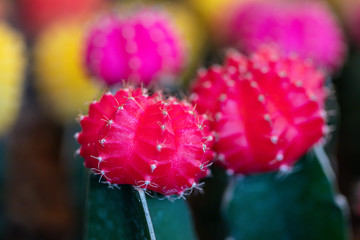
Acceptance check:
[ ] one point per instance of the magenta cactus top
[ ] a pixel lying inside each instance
(307, 28)
(140, 47)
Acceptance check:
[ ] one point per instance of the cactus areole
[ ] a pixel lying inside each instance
(154, 143)
(266, 110)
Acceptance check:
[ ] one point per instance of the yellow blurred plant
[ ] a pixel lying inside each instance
(12, 66)
(63, 84)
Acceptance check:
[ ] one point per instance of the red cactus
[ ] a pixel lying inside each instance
(132, 138)
(268, 109)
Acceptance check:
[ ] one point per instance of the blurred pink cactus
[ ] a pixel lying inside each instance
(141, 48)
(307, 28)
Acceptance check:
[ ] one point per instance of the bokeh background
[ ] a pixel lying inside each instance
(44, 85)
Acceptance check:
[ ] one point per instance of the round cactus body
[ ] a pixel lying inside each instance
(154, 143)
(307, 28)
(12, 69)
(267, 111)
(61, 78)
(140, 47)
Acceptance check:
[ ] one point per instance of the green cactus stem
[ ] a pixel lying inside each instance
(127, 213)
(208, 219)
(300, 205)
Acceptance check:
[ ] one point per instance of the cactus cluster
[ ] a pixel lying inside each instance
(242, 123)
(265, 110)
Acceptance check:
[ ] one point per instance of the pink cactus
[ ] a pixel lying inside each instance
(141, 47)
(307, 28)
